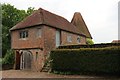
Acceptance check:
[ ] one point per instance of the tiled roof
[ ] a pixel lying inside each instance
(42, 16)
(115, 41)
(80, 24)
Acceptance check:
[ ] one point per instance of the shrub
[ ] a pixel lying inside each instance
(9, 57)
(89, 41)
(96, 60)
(102, 45)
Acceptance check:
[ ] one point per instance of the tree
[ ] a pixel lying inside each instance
(10, 17)
(89, 41)
(30, 10)
(0, 31)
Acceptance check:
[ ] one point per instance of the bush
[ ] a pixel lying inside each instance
(89, 41)
(9, 57)
(102, 45)
(96, 60)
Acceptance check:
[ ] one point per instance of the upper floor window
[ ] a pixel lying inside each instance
(23, 34)
(69, 38)
(78, 39)
(39, 32)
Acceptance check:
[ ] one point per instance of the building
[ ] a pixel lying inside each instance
(33, 38)
(115, 41)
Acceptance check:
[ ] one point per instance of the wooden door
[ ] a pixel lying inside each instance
(26, 60)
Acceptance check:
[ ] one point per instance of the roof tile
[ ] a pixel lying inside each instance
(42, 16)
(80, 24)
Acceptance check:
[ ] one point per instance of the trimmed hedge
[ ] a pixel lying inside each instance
(96, 60)
(102, 45)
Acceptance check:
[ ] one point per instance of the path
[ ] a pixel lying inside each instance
(31, 74)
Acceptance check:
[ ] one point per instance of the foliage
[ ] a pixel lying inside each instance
(9, 57)
(102, 45)
(96, 60)
(10, 17)
(29, 11)
(0, 60)
(89, 41)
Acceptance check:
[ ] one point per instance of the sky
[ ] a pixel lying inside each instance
(100, 16)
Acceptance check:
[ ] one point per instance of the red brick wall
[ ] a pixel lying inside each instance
(31, 42)
(37, 64)
(74, 38)
(49, 39)
(47, 42)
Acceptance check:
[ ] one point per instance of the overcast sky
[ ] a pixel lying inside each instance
(101, 16)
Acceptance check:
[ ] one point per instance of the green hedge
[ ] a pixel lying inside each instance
(98, 60)
(102, 45)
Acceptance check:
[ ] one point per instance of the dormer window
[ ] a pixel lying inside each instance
(23, 34)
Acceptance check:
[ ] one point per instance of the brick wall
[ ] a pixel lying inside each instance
(37, 62)
(31, 42)
(74, 38)
(27, 44)
(47, 41)
(50, 38)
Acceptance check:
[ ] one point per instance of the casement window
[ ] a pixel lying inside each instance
(69, 38)
(39, 32)
(78, 39)
(23, 34)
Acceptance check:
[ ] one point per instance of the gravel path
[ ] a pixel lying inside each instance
(31, 74)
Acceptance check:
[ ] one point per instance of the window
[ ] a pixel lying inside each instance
(69, 38)
(39, 32)
(23, 34)
(78, 39)
(36, 55)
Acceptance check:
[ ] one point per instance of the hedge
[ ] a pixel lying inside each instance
(102, 45)
(96, 60)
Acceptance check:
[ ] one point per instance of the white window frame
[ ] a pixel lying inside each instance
(69, 38)
(23, 34)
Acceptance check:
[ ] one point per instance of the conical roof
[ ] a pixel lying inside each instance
(45, 17)
(78, 21)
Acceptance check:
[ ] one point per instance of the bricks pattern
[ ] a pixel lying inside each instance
(43, 45)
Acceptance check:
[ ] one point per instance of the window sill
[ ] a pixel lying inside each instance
(23, 39)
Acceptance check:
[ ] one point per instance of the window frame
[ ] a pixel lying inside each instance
(69, 38)
(39, 32)
(23, 34)
(79, 39)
